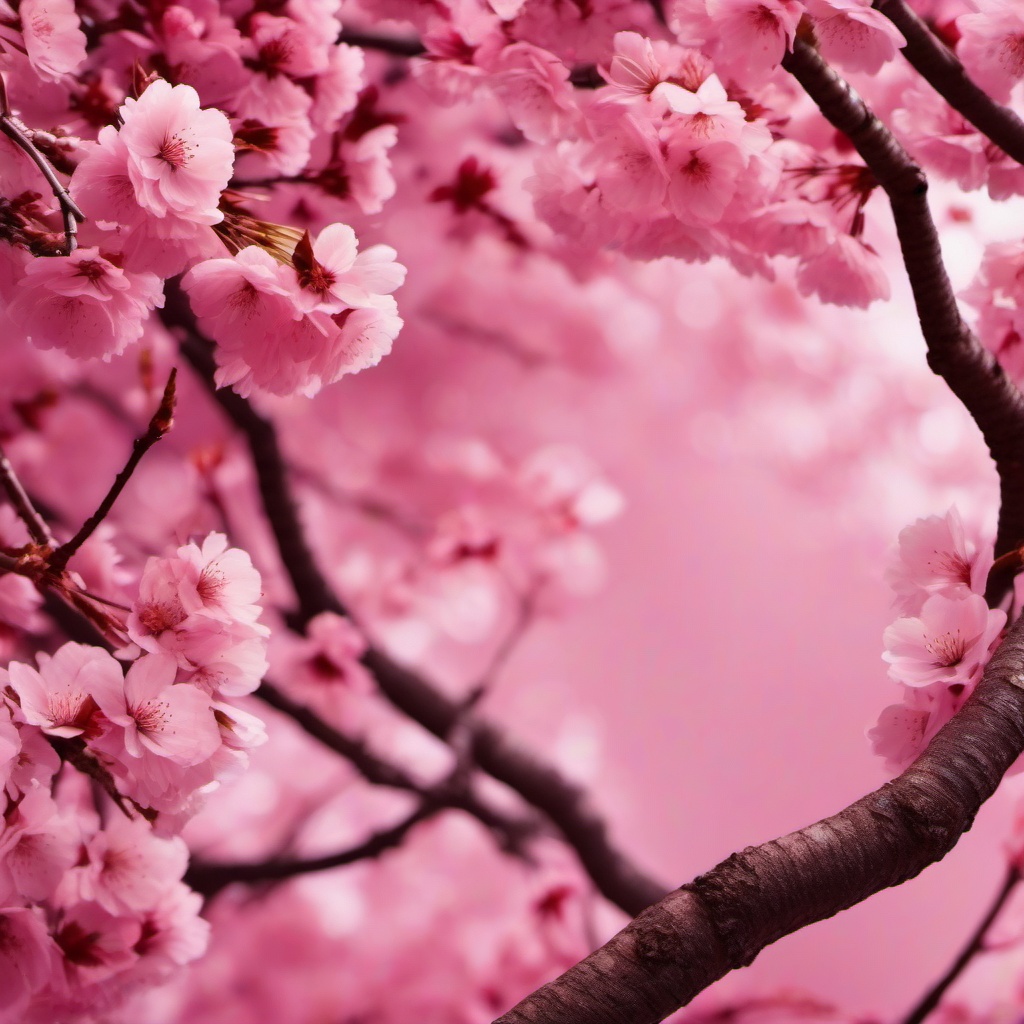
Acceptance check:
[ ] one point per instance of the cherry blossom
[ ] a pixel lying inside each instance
(59, 697)
(158, 717)
(84, 304)
(948, 642)
(936, 557)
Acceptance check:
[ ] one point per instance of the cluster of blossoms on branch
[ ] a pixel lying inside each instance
(944, 636)
(221, 181)
(94, 906)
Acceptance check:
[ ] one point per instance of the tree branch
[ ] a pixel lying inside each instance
(208, 877)
(975, 944)
(27, 512)
(71, 215)
(512, 831)
(399, 46)
(939, 67)
(724, 918)
(954, 353)
(158, 426)
(543, 786)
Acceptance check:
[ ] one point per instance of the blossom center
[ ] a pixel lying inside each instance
(175, 151)
(1011, 55)
(947, 648)
(150, 716)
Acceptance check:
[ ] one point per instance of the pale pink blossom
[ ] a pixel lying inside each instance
(250, 306)
(534, 85)
(218, 581)
(148, 241)
(756, 33)
(28, 958)
(173, 933)
(128, 869)
(283, 46)
(158, 717)
(334, 276)
(248, 295)
(948, 642)
(941, 138)
(853, 35)
(226, 658)
(54, 40)
(95, 944)
(629, 165)
(904, 730)
(992, 45)
(845, 273)
(366, 165)
(937, 557)
(708, 115)
(180, 156)
(635, 67)
(702, 179)
(331, 652)
(272, 128)
(337, 88)
(158, 609)
(37, 846)
(84, 304)
(58, 698)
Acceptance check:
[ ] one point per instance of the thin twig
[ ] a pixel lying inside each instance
(939, 67)
(27, 512)
(974, 945)
(454, 793)
(159, 425)
(71, 215)
(209, 877)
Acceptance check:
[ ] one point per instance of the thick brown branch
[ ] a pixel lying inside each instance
(954, 353)
(399, 46)
(938, 66)
(724, 918)
(208, 877)
(541, 785)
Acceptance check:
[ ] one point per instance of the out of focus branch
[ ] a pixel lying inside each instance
(457, 795)
(974, 945)
(399, 46)
(954, 352)
(37, 527)
(939, 67)
(564, 802)
(723, 919)
(208, 877)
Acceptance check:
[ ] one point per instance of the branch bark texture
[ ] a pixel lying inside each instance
(954, 352)
(723, 919)
(939, 67)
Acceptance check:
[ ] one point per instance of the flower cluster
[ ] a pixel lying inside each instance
(93, 903)
(296, 328)
(944, 636)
